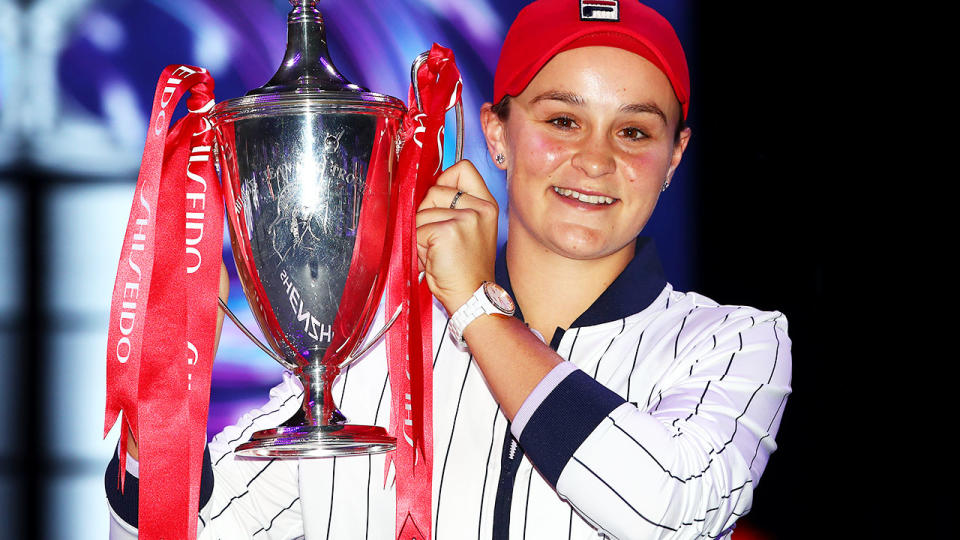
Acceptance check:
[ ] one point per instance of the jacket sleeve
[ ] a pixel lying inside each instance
(686, 464)
(124, 505)
(256, 497)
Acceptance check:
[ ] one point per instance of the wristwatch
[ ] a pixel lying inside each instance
(489, 299)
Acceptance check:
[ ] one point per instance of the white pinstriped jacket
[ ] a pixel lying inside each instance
(659, 425)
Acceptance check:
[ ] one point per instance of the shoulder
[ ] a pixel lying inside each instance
(709, 336)
(696, 314)
(684, 332)
(689, 319)
(700, 316)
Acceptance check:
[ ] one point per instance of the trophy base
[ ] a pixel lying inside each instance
(317, 442)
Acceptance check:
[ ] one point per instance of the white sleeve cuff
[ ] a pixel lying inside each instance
(542, 390)
(133, 466)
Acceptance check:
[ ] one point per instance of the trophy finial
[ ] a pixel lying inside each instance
(304, 6)
(306, 65)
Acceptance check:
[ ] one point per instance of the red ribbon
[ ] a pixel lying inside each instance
(163, 314)
(409, 347)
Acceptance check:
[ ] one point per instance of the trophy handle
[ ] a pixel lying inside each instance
(357, 355)
(281, 360)
(419, 61)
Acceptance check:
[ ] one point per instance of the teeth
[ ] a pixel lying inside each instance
(592, 199)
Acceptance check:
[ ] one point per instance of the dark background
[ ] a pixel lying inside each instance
(770, 162)
(761, 240)
(790, 169)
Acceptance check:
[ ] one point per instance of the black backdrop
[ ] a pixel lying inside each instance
(777, 118)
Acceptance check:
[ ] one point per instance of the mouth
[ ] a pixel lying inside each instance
(598, 200)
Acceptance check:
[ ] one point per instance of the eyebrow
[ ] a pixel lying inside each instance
(558, 95)
(577, 100)
(648, 108)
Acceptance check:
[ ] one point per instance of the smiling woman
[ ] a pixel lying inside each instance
(591, 127)
(613, 413)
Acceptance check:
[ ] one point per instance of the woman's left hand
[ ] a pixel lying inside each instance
(456, 247)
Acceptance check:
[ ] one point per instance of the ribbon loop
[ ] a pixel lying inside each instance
(409, 346)
(164, 307)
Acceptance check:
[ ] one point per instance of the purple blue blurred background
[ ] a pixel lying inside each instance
(76, 82)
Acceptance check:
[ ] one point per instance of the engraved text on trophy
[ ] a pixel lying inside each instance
(301, 196)
(311, 325)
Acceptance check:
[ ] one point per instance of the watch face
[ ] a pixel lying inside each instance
(499, 297)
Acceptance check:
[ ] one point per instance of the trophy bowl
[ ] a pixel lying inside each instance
(307, 164)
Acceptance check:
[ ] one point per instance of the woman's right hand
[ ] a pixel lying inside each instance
(457, 235)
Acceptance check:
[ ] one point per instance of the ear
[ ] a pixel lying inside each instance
(679, 147)
(494, 131)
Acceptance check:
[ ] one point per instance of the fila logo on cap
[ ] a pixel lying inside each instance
(600, 10)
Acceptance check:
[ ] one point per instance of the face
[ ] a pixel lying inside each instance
(588, 145)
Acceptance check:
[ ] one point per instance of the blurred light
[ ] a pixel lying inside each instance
(126, 122)
(83, 145)
(9, 69)
(212, 48)
(76, 507)
(77, 389)
(480, 18)
(86, 225)
(11, 249)
(104, 31)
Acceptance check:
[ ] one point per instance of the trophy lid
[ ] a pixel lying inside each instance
(307, 78)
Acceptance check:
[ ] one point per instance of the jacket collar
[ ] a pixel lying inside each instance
(640, 283)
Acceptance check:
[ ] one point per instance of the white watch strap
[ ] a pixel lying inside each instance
(477, 305)
(467, 313)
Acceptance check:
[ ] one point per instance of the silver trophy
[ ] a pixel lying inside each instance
(308, 165)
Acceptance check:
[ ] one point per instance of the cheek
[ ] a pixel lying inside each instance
(544, 150)
(646, 168)
(540, 153)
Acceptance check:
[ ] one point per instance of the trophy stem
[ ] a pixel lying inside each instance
(319, 429)
(318, 406)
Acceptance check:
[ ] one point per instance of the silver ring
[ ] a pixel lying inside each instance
(453, 204)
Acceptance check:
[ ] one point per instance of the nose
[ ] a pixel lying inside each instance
(595, 159)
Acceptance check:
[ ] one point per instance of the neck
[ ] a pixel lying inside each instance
(552, 290)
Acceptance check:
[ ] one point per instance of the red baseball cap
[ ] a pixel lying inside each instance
(546, 28)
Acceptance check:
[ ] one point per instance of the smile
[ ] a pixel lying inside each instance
(590, 199)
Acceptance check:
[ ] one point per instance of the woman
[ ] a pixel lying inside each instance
(608, 402)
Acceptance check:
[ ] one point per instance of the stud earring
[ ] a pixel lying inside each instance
(500, 159)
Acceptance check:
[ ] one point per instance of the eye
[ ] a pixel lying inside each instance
(633, 133)
(563, 122)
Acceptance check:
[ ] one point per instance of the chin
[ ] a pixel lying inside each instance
(584, 244)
